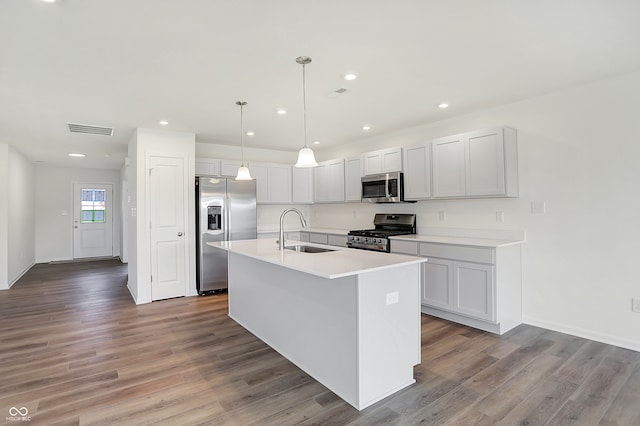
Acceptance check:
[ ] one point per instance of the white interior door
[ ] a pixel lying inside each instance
(92, 220)
(167, 205)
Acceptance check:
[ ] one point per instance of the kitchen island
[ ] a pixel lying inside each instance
(349, 318)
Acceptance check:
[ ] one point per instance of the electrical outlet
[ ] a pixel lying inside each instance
(635, 305)
(500, 217)
(442, 215)
(392, 298)
(538, 207)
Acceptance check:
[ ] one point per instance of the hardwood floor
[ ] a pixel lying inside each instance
(75, 349)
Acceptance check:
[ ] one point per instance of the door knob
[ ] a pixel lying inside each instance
(179, 234)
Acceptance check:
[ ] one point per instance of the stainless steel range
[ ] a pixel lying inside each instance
(386, 225)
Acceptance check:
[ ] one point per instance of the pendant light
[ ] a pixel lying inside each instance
(305, 155)
(243, 171)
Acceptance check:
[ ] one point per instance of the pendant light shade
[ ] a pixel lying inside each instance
(305, 155)
(306, 158)
(243, 171)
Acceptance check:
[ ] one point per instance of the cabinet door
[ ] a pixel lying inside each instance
(229, 168)
(417, 172)
(484, 151)
(302, 185)
(329, 181)
(260, 172)
(207, 167)
(437, 283)
(372, 163)
(280, 183)
(352, 179)
(391, 160)
(449, 177)
(474, 290)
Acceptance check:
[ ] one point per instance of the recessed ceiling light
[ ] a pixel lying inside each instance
(443, 105)
(350, 76)
(49, 1)
(316, 142)
(250, 133)
(366, 127)
(281, 111)
(75, 154)
(163, 122)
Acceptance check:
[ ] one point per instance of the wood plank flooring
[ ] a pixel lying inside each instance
(75, 349)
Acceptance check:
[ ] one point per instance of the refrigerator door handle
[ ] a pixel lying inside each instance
(227, 215)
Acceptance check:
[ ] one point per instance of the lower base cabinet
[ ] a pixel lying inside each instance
(476, 286)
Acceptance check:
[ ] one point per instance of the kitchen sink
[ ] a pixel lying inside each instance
(307, 249)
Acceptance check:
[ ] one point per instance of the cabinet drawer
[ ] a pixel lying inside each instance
(318, 238)
(462, 253)
(405, 247)
(337, 240)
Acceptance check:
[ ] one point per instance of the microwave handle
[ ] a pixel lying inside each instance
(386, 188)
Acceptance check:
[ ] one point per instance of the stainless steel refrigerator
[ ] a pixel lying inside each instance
(225, 211)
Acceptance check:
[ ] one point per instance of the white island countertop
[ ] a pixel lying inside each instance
(341, 262)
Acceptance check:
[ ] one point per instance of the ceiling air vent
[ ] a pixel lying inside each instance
(337, 92)
(92, 130)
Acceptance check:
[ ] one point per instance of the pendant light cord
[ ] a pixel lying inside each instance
(304, 104)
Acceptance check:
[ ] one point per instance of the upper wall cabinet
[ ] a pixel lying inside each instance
(482, 163)
(382, 161)
(302, 185)
(229, 168)
(449, 176)
(352, 179)
(207, 167)
(329, 181)
(417, 172)
(273, 183)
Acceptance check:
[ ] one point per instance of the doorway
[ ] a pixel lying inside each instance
(92, 220)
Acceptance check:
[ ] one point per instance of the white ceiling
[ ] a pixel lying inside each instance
(129, 64)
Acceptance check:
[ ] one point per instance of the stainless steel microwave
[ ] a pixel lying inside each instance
(383, 188)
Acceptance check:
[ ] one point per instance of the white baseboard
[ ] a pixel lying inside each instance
(622, 342)
(21, 274)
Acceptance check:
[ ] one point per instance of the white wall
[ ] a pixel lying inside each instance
(21, 216)
(17, 252)
(4, 216)
(578, 152)
(146, 142)
(54, 196)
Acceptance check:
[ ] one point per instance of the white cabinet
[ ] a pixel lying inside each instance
(229, 168)
(328, 181)
(273, 183)
(352, 179)
(417, 172)
(207, 167)
(449, 178)
(477, 286)
(302, 185)
(323, 238)
(382, 161)
(437, 283)
(482, 163)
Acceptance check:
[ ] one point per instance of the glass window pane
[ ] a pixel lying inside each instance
(93, 205)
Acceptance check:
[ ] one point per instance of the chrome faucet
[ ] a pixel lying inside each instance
(284, 213)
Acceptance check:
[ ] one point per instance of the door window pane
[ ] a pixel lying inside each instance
(93, 205)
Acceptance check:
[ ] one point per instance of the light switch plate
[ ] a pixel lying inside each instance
(538, 207)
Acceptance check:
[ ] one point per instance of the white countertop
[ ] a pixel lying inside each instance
(341, 262)
(461, 241)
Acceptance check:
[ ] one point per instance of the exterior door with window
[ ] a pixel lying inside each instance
(92, 220)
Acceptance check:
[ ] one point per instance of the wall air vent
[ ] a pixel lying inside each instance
(92, 130)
